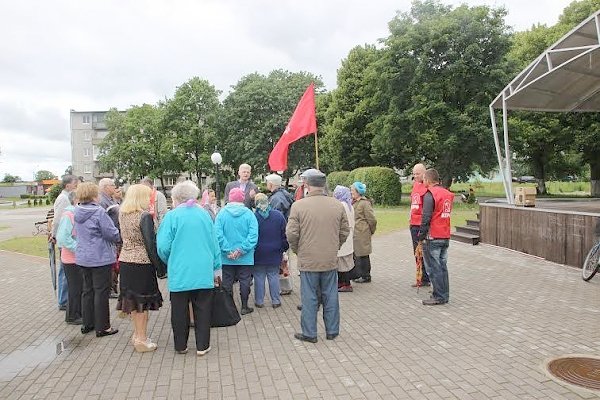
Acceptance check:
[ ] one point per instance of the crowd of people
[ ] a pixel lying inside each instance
(117, 245)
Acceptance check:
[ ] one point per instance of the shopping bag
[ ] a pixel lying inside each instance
(224, 311)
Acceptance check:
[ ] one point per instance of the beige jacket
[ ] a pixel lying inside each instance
(364, 228)
(316, 229)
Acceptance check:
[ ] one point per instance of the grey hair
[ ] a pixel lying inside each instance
(104, 182)
(66, 179)
(148, 182)
(184, 191)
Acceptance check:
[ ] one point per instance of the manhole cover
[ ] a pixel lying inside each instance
(580, 371)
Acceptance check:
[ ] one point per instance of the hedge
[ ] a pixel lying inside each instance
(383, 184)
(338, 178)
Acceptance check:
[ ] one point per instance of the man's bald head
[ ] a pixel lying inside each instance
(418, 171)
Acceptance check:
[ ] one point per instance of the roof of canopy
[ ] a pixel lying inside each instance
(566, 77)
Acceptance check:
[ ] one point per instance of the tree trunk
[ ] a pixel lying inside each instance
(162, 185)
(595, 178)
(541, 186)
(540, 177)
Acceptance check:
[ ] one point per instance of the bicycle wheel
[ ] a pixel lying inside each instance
(590, 265)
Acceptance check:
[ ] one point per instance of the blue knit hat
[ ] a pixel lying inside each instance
(360, 187)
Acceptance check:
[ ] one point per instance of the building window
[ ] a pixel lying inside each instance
(96, 153)
(86, 119)
(86, 152)
(87, 136)
(87, 168)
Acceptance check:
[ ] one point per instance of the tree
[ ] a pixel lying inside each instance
(43, 175)
(191, 122)
(255, 115)
(351, 109)
(8, 178)
(440, 70)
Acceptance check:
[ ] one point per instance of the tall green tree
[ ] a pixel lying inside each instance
(8, 178)
(191, 121)
(255, 115)
(442, 68)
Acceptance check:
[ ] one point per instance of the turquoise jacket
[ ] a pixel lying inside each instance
(64, 237)
(237, 229)
(187, 243)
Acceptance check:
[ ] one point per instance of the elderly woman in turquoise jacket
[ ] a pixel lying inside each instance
(187, 243)
(237, 232)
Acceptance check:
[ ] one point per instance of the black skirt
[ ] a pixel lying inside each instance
(138, 288)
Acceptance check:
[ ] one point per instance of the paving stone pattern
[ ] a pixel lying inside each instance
(508, 314)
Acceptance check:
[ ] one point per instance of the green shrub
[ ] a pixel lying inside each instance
(29, 203)
(338, 178)
(25, 196)
(54, 192)
(47, 201)
(383, 184)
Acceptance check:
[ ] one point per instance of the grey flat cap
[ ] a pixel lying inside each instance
(314, 177)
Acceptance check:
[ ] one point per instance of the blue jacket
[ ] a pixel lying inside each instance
(272, 241)
(96, 236)
(237, 229)
(187, 243)
(281, 200)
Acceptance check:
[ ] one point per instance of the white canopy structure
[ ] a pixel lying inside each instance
(564, 78)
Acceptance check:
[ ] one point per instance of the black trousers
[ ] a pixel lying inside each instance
(94, 300)
(363, 266)
(343, 278)
(75, 288)
(241, 272)
(414, 232)
(201, 300)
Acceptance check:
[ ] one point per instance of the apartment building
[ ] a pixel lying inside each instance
(88, 128)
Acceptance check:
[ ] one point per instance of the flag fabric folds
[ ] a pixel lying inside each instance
(302, 123)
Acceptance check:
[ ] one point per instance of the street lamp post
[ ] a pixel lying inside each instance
(217, 160)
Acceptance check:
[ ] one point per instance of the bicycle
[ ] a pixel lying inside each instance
(591, 264)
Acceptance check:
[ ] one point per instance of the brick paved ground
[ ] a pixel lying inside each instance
(509, 313)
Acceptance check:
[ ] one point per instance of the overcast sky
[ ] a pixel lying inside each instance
(92, 55)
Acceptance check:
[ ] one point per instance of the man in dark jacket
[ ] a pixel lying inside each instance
(280, 199)
(244, 183)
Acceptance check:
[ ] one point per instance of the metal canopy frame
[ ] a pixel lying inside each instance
(564, 78)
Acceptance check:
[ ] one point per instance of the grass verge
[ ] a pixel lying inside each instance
(31, 245)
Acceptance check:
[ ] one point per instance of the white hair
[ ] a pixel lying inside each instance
(104, 182)
(184, 191)
(274, 179)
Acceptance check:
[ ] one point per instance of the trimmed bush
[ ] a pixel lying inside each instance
(383, 184)
(25, 196)
(338, 178)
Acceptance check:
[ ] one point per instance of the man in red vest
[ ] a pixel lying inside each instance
(435, 234)
(416, 212)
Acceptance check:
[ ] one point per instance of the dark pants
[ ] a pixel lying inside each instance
(343, 278)
(75, 288)
(94, 300)
(414, 232)
(363, 266)
(243, 273)
(201, 300)
(114, 278)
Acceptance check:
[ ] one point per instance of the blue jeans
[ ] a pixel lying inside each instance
(414, 233)
(271, 273)
(435, 255)
(311, 283)
(61, 287)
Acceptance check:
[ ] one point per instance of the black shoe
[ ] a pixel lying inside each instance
(109, 332)
(77, 321)
(433, 302)
(285, 293)
(86, 329)
(363, 280)
(300, 336)
(246, 310)
(276, 305)
(259, 305)
(62, 308)
(331, 336)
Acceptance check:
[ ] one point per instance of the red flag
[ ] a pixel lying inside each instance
(302, 123)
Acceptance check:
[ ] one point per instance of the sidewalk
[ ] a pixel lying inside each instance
(508, 314)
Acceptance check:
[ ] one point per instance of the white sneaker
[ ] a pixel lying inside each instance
(203, 352)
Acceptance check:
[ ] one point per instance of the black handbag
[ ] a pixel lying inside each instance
(224, 311)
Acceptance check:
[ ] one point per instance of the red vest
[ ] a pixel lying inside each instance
(416, 202)
(152, 205)
(440, 220)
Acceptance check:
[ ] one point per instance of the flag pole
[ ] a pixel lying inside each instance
(316, 151)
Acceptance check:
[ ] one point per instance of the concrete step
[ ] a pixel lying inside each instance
(473, 222)
(465, 238)
(473, 230)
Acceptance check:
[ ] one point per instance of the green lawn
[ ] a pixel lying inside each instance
(32, 245)
(391, 219)
(2, 227)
